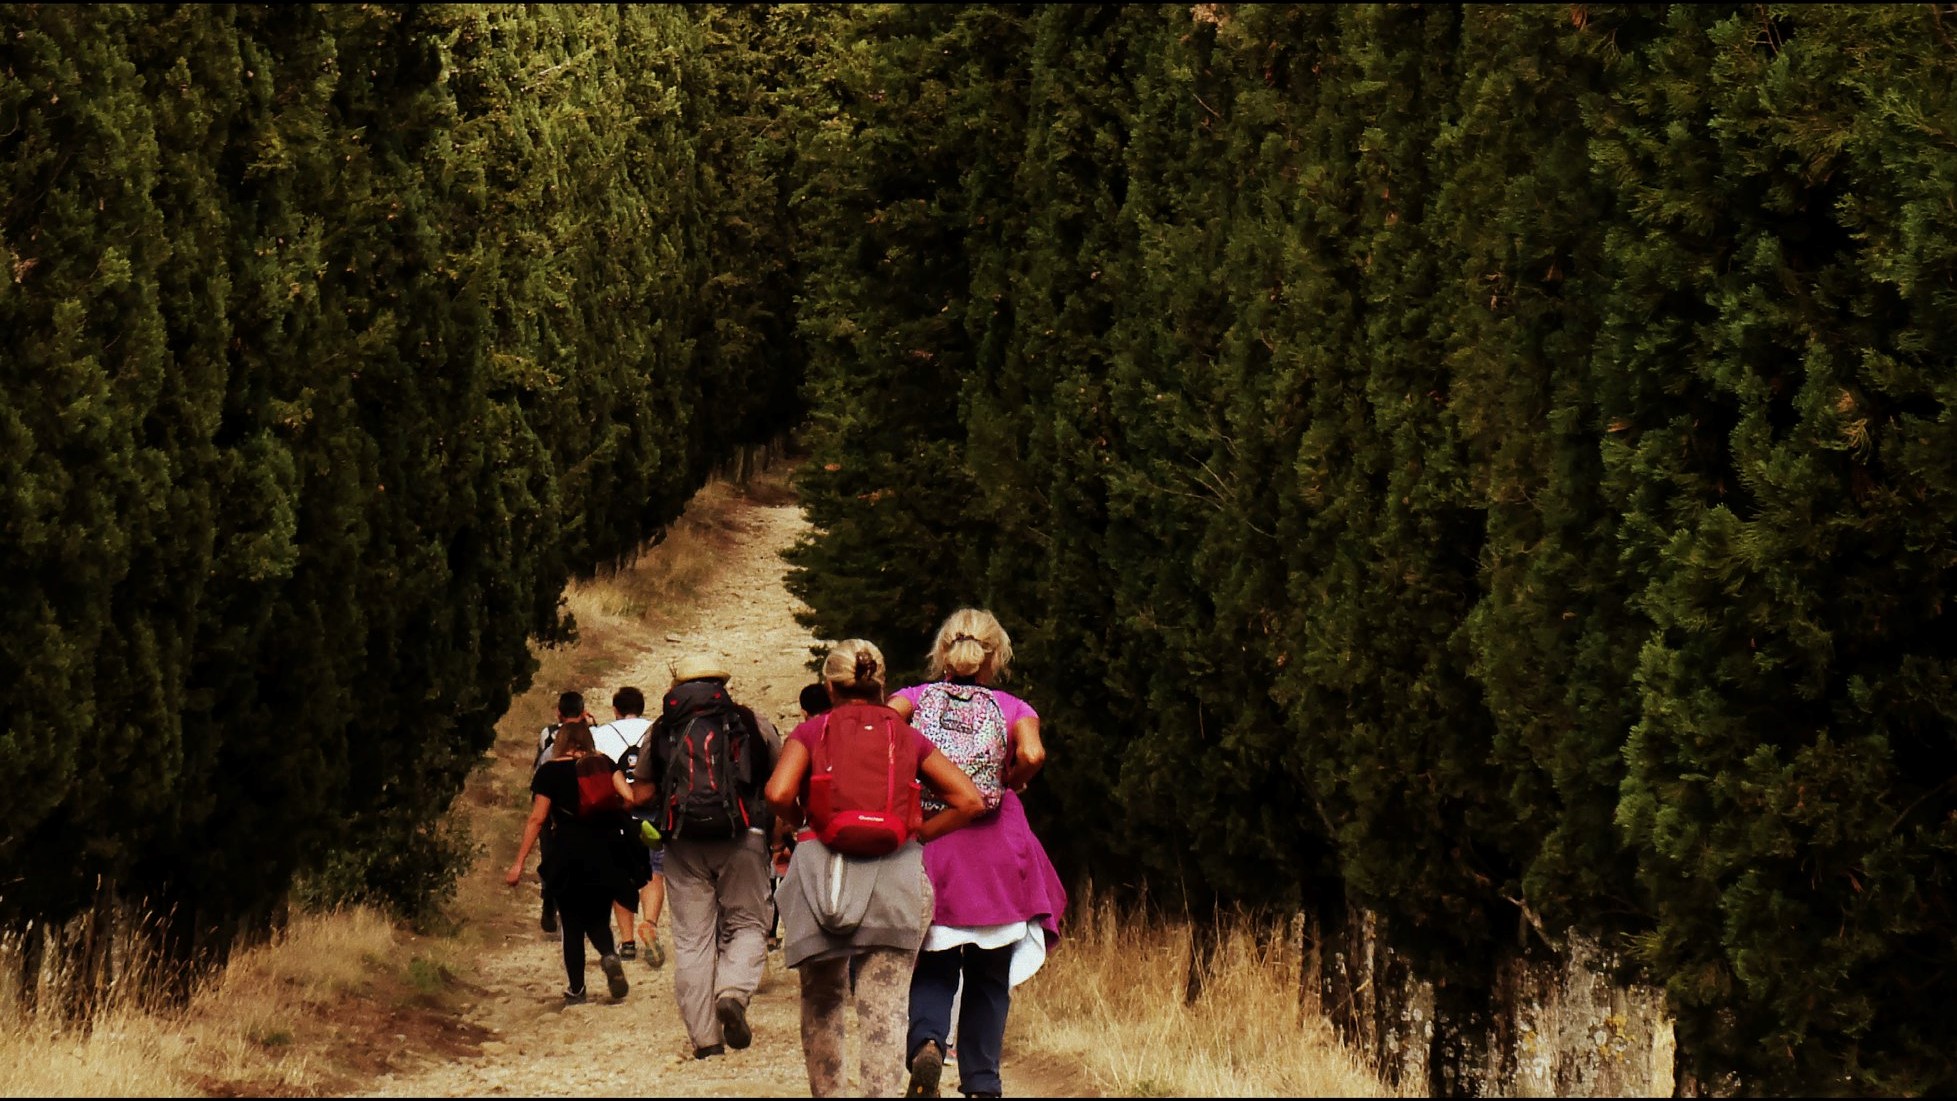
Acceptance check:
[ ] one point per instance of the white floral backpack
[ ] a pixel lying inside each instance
(967, 724)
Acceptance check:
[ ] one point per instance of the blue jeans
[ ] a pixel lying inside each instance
(981, 1016)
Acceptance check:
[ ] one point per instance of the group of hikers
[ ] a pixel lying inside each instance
(907, 876)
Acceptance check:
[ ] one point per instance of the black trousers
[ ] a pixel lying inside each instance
(981, 1016)
(583, 914)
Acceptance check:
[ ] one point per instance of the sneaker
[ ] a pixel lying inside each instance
(628, 951)
(655, 953)
(733, 1023)
(574, 997)
(708, 1051)
(614, 976)
(927, 1066)
(549, 917)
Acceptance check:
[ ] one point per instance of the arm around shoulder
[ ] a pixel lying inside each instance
(962, 800)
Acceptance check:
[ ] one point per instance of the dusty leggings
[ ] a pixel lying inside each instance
(883, 995)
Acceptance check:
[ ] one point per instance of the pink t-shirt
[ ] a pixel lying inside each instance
(811, 729)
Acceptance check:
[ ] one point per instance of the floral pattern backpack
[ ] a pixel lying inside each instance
(968, 726)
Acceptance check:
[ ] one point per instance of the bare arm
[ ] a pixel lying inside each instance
(633, 794)
(1029, 753)
(902, 706)
(532, 827)
(785, 783)
(961, 796)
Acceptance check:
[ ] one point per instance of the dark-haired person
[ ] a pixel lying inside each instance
(836, 907)
(815, 700)
(570, 708)
(619, 740)
(581, 870)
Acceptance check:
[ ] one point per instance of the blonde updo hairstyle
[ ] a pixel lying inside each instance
(971, 644)
(854, 670)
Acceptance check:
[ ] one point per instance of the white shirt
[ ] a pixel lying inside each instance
(1027, 939)
(614, 738)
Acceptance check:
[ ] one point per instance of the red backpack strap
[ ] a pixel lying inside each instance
(891, 779)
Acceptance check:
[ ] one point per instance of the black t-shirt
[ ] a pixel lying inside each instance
(597, 854)
(557, 781)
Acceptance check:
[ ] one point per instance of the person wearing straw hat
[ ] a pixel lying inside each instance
(700, 771)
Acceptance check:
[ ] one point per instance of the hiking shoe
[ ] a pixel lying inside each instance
(927, 1066)
(708, 1051)
(574, 997)
(549, 917)
(614, 976)
(628, 951)
(733, 1023)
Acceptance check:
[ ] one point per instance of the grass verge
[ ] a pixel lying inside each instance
(287, 1018)
(1109, 1001)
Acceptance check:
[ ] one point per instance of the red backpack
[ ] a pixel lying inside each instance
(597, 798)
(864, 798)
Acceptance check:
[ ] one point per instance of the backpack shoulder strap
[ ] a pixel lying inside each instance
(819, 750)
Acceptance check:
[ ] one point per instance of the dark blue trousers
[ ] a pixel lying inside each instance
(981, 1015)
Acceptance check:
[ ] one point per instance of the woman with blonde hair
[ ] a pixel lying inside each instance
(998, 899)
(856, 884)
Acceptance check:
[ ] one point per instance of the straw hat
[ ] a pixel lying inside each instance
(699, 667)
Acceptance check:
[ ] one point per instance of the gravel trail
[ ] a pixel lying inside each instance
(637, 1046)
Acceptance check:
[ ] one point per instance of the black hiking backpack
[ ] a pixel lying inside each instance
(707, 746)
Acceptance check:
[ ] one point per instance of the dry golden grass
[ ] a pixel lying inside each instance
(1110, 1000)
(657, 585)
(261, 1026)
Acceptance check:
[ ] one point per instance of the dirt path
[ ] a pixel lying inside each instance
(637, 1047)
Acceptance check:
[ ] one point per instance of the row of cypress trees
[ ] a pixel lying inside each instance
(1488, 465)
(336, 339)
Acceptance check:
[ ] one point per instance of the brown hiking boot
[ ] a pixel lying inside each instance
(733, 1023)
(927, 1066)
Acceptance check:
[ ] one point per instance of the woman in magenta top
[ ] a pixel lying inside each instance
(998, 899)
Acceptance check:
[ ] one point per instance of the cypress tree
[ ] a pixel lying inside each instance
(344, 336)
(882, 317)
(1521, 210)
(1784, 755)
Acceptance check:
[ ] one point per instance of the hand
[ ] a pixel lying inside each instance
(514, 876)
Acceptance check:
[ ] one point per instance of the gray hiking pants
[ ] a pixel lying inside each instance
(717, 896)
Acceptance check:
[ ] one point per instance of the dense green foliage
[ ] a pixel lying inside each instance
(1487, 465)
(336, 339)
(1499, 463)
